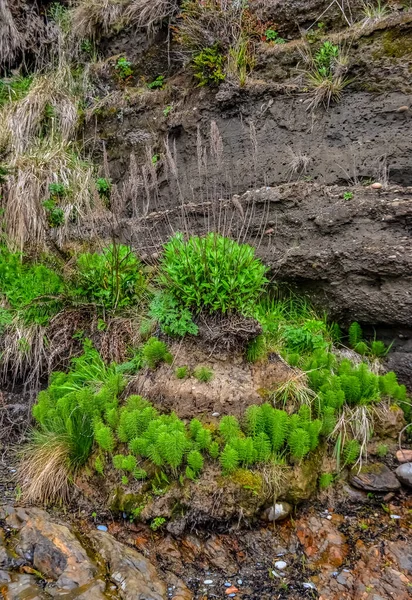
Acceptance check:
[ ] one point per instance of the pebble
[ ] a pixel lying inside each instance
(275, 574)
(227, 584)
(208, 582)
(309, 586)
(232, 595)
(216, 414)
(101, 527)
(239, 581)
(280, 564)
(395, 517)
(376, 186)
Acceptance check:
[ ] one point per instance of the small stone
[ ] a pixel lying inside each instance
(404, 474)
(402, 109)
(277, 512)
(376, 186)
(239, 581)
(231, 590)
(404, 456)
(216, 414)
(395, 517)
(101, 527)
(232, 595)
(309, 586)
(208, 582)
(275, 574)
(227, 584)
(280, 564)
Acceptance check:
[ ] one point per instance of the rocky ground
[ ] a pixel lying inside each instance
(354, 543)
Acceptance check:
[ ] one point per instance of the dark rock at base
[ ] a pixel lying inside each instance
(130, 571)
(404, 474)
(374, 478)
(401, 363)
(54, 551)
(353, 495)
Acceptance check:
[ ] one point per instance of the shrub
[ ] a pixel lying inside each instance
(212, 273)
(154, 352)
(112, 280)
(172, 318)
(123, 68)
(203, 374)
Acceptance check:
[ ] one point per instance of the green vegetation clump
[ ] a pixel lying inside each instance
(325, 480)
(14, 89)
(124, 68)
(155, 352)
(208, 66)
(172, 319)
(182, 372)
(203, 374)
(212, 273)
(112, 279)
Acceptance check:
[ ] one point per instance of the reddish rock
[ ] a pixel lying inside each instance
(404, 456)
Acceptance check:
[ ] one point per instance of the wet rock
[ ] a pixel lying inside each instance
(54, 551)
(218, 556)
(134, 575)
(401, 363)
(277, 512)
(404, 456)
(374, 478)
(392, 424)
(404, 474)
(22, 587)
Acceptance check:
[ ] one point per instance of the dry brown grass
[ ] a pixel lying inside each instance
(10, 39)
(93, 18)
(47, 161)
(23, 354)
(43, 471)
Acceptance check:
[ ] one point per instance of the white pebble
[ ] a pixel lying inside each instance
(280, 564)
(309, 586)
(208, 582)
(215, 414)
(395, 517)
(276, 575)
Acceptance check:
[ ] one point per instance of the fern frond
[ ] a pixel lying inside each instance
(229, 427)
(229, 459)
(299, 443)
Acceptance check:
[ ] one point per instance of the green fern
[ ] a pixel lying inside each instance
(229, 459)
(195, 461)
(378, 349)
(255, 421)
(182, 372)
(355, 334)
(351, 387)
(99, 465)
(351, 452)
(314, 429)
(203, 438)
(104, 437)
(214, 450)
(245, 450)
(262, 447)
(172, 446)
(203, 374)
(299, 443)
(325, 480)
(361, 348)
(154, 352)
(328, 420)
(139, 446)
(139, 474)
(229, 427)
(279, 430)
(194, 427)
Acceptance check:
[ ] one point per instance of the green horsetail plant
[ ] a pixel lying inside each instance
(229, 428)
(355, 334)
(229, 459)
(299, 443)
(154, 352)
(351, 452)
(195, 461)
(203, 374)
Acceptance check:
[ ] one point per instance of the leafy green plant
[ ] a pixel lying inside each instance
(378, 349)
(112, 279)
(306, 338)
(103, 187)
(172, 318)
(351, 452)
(157, 523)
(157, 83)
(154, 352)
(208, 66)
(182, 372)
(55, 214)
(203, 374)
(123, 68)
(212, 273)
(273, 36)
(167, 110)
(347, 195)
(256, 349)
